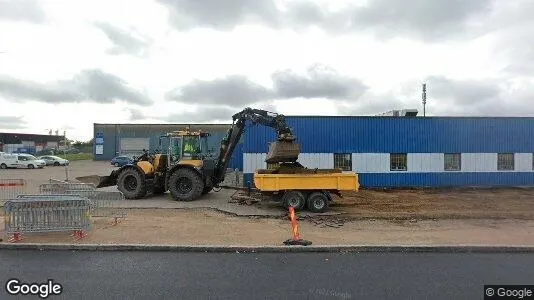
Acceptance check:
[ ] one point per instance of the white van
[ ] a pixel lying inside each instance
(20, 160)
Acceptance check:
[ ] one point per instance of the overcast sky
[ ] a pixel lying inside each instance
(68, 64)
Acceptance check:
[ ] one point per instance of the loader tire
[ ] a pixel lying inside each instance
(185, 185)
(132, 184)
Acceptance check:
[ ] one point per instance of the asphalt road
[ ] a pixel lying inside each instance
(168, 275)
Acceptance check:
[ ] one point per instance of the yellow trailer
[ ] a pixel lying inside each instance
(310, 189)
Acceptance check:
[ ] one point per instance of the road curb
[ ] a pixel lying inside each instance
(272, 249)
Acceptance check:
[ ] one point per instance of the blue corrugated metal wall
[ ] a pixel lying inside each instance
(401, 134)
(410, 135)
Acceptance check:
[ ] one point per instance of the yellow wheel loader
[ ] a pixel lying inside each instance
(188, 169)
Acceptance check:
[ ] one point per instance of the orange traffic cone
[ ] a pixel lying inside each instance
(296, 240)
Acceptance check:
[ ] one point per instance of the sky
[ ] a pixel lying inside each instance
(67, 64)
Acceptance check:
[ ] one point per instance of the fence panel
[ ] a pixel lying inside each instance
(38, 214)
(62, 188)
(10, 188)
(103, 203)
(109, 204)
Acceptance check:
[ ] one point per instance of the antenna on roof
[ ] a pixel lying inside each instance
(424, 99)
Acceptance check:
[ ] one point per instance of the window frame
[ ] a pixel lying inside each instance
(459, 162)
(499, 162)
(402, 155)
(344, 159)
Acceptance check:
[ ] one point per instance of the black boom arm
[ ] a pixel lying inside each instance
(233, 135)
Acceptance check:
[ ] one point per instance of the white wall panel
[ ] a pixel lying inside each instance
(415, 162)
(370, 162)
(317, 160)
(254, 161)
(486, 162)
(435, 162)
(425, 162)
(523, 162)
(469, 162)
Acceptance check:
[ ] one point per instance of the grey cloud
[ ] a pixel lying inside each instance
(129, 42)
(91, 85)
(462, 92)
(320, 82)
(238, 91)
(136, 114)
(203, 114)
(427, 19)
(372, 104)
(22, 10)
(447, 97)
(233, 90)
(11, 122)
(224, 15)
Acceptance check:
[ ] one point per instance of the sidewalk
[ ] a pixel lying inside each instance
(207, 227)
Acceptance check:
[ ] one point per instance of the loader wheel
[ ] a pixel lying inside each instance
(295, 199)
(132, 184)
(317, 202)
(185, 185)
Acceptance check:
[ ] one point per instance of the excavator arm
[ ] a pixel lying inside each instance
(285, 149)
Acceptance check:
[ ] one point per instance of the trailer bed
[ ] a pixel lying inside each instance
(330, 181)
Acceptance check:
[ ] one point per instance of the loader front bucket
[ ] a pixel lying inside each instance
(98, 181)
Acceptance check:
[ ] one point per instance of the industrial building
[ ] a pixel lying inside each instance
(409, 151)
(29, 143)
(130, 139)
(386, 151)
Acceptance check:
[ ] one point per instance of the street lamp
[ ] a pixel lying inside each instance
(65, 154)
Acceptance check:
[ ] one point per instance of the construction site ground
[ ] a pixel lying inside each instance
(370, 217)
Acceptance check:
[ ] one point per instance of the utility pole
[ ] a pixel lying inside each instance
(424, 99)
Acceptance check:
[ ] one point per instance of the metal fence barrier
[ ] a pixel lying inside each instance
(110, 204)
(62, 188)
(38, 214)
(10, 188)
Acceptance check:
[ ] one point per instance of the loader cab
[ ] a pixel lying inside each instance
(187, 145)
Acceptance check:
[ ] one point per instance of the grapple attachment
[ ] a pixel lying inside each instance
(283, 151)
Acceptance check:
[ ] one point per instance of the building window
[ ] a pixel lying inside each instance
(505, 161)
(453, 162)
(343, 161)
(398, 161)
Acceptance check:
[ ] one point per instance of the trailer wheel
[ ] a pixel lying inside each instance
(294, 199)
(132, 184)
(185, 185)
(317, 202)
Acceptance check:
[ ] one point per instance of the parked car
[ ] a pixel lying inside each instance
(21, 161)
(122, 160)
(52, 160)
